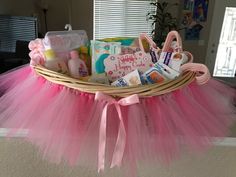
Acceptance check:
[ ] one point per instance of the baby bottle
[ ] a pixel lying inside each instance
(53, 63)
(77, 67)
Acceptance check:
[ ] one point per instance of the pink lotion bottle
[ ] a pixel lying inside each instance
(77, 67)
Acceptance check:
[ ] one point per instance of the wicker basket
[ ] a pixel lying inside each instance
(184, 79)
(143, 91)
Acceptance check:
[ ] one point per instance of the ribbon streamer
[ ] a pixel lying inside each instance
(121, 138)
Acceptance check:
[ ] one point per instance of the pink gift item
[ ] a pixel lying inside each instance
(36, 54)
(77, 67)
(202, 71)
(117, 66)
(97, 129)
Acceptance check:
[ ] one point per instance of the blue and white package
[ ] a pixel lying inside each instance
(130, 79)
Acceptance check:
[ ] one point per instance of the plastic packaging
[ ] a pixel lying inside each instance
(64, 41)
(54, 63)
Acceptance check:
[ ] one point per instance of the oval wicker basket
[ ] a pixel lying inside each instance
(143, 90)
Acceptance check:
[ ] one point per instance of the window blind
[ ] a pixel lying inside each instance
(13, 28)
(121, 18)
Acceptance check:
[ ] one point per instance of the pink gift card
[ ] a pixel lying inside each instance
(117, 66)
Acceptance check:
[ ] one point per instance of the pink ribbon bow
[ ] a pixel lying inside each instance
(121, 138)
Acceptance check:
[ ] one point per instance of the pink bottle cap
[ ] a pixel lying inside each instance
(74, 54)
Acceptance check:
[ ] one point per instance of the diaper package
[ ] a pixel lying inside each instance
(100, 51)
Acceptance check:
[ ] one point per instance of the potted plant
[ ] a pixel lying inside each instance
(163, 21)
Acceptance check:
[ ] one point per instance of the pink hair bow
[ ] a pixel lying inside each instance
(121, 138)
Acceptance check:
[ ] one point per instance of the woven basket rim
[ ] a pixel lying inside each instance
(141, 90)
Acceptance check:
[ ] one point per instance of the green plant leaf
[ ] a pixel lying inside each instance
(154, 3)
(159, 6)
(162, 21)
(164, 5)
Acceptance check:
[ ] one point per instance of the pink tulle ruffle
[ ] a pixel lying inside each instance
(65, 123)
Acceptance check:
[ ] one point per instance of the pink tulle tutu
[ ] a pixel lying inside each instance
(65, 124)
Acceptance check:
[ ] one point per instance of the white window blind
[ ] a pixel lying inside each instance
(121, 18)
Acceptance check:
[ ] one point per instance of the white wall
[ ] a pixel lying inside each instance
(57, 15)
(13, 7)
(82, 15)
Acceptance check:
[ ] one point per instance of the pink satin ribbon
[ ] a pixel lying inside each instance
(121, 138)
(203, 74)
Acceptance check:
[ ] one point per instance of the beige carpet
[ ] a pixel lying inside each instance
(20, 159)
